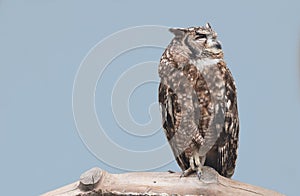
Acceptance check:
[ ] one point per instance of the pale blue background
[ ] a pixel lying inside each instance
(43, 42)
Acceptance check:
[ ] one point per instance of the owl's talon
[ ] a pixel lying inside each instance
(182, 175)
(199, 173)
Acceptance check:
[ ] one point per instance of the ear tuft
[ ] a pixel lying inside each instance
(178, 32)
(208, 25)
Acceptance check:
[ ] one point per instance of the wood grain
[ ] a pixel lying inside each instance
(99, 182)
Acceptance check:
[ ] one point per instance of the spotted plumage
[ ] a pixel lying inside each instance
(197, 95)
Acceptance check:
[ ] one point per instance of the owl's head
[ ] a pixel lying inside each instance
(200, 41)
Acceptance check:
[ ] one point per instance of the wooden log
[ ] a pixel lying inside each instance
(98, 182)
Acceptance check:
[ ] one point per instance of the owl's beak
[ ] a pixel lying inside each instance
(214, 46)
(218, 45)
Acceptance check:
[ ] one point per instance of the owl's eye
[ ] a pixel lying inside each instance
(200, 36)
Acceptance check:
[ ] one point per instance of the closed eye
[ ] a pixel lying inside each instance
(200, 36)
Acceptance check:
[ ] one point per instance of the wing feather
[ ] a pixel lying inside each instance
(227, 145)
(171, 118)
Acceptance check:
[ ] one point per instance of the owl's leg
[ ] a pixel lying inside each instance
(189, 170)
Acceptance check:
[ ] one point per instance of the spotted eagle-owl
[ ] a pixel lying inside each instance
(198, 100)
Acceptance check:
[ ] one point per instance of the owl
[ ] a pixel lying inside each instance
(198, 102)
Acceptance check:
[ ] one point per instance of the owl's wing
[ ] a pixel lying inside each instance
(227, 149)
(171, 118)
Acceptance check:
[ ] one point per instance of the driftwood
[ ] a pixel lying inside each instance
(98, 182)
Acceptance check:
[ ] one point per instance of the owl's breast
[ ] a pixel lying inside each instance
(202, 102)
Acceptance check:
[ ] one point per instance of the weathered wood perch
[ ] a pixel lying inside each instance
(98, 182)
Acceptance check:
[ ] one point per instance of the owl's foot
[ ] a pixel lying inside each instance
(196, 164)
(187, 172)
